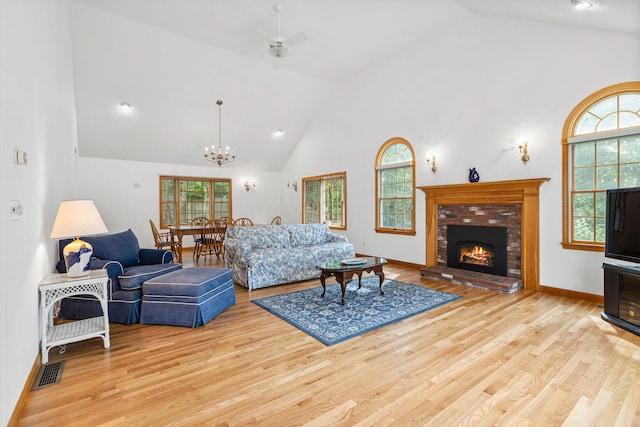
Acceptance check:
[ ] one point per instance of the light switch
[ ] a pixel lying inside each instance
(19, 157)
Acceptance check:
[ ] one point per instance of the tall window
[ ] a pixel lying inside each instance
(324, 199)
(395, 193)
(601, 150)
(182, 199)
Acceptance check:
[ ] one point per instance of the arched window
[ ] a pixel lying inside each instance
(600, 151)
(395, 190)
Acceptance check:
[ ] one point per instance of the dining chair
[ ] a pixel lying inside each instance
(243, 222)
(165, 240)
(226, 219)
(277, 220)
(197, 238)
(212, 239)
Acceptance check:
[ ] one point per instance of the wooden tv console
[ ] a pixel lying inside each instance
(622, 296)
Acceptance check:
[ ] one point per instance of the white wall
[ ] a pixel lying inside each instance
(122, 205)
(37, 115)
(467, 95)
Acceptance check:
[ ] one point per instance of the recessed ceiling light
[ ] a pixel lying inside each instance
(278, 133)
(125, 107)
(581, 4)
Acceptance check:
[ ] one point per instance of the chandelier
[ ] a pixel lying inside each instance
(219, 156)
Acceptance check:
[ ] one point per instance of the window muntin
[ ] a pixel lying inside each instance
(601, 152)
(311, 198)
(324, 200)
(616, 112)
(221, 199)
(183, 198)
(395, 189)
(333, 200)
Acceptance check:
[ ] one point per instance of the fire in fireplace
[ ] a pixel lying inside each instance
(475, 253)
(477, 248)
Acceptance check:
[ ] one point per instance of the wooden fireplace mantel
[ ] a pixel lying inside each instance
(523, 191)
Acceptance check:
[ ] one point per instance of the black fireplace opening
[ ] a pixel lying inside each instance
(477, 248)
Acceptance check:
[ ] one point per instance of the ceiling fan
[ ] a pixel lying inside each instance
(278, 45)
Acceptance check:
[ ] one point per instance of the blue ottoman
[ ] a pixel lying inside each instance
(187, 297)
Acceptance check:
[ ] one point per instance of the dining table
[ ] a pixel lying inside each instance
(181, 230)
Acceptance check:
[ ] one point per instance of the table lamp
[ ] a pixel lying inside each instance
(77, 218)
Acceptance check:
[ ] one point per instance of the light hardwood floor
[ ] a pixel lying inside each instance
(487, 359)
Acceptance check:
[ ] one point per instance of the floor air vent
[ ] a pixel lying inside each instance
(50, 373)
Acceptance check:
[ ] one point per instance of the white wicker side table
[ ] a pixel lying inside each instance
(57, 286)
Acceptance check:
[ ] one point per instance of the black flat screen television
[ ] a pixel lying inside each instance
(622, 240)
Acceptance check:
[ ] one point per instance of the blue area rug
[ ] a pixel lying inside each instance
(364, 310)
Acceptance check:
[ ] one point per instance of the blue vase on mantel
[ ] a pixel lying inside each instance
(474, 176)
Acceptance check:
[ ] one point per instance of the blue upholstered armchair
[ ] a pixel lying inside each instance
(127, 266)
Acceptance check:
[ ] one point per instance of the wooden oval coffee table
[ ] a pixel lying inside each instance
(343, 271)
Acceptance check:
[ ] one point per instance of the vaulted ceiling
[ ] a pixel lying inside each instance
(172, 59)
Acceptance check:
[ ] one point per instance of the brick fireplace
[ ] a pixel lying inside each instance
(477, 248)
(511, 204)
(507, 217)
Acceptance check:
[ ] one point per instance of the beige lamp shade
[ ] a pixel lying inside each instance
(77, 218)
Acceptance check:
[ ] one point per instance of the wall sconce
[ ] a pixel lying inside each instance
(524, 150)
(248, 187)
(432, 161)
(293, 185)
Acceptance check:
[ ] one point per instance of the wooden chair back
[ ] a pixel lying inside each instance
(243, 222)
(156, 235)
(197, 238)
(201, 220)
(226, 219)
(165, 241)
(213, 238)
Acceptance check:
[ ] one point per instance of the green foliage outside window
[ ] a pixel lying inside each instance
(599, 166)
(184, 199)
(396, 188)
(168, 203)
(603, 163)
(396, 201)
(333, 200)
(194, 200)
(312, 202)
(324, 199)
(221, 199)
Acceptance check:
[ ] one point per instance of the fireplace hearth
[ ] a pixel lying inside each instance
(477, 248)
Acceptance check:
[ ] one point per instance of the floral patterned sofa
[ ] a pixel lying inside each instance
(275, 254)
